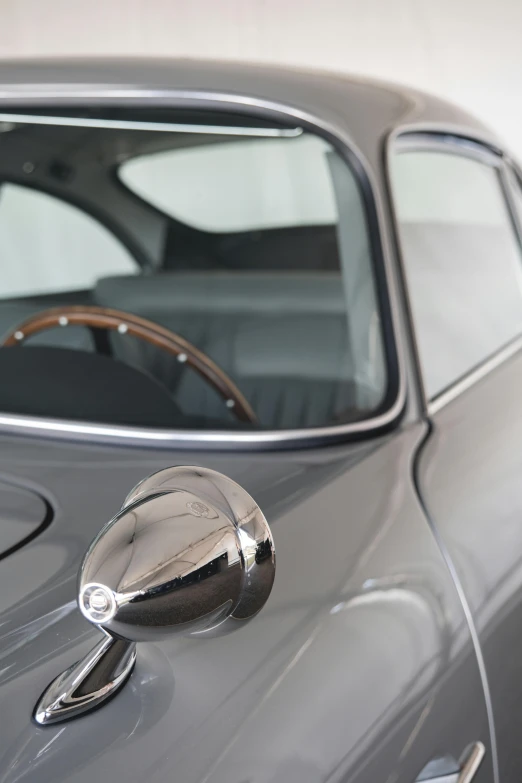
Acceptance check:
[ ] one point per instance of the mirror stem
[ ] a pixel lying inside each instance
(89, 682)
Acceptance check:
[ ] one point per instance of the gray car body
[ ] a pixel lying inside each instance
(383, 646)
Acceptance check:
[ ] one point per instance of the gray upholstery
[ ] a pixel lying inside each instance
(282, 337)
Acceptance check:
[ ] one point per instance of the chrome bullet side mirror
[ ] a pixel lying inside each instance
(190, 552)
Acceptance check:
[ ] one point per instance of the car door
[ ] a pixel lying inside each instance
(462, 258)
(361, 667)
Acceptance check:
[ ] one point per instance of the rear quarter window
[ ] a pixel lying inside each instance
(239, 185)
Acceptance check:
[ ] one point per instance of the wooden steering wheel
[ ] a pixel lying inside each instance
(97, 318)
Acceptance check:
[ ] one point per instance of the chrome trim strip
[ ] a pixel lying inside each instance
(414, 141)
(220, 439)
(71, 430)
(475, 375)
(163, 127)
(510, 183)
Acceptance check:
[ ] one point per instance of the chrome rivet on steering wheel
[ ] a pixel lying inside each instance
(189, 553)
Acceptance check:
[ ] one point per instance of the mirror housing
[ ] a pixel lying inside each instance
(190, 552)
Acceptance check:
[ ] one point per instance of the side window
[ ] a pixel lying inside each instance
(462, 260)
(263, 260)
(49, 245)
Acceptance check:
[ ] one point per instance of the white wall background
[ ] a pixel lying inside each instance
(467, 50)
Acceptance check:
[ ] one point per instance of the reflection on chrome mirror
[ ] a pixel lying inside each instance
(190, 552)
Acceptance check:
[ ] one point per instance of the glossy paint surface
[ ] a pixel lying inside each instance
(360, 666)
(23, 514)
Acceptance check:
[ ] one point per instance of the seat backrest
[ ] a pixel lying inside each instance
(282, 337)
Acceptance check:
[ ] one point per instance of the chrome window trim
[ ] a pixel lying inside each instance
(478, 148)
(512, 180)
(415, 141)
(161, 127)
(222, 439)
(475, 375)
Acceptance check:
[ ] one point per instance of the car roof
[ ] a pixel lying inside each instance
(368, 109)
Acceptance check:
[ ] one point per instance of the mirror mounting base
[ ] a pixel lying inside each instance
(88, 683)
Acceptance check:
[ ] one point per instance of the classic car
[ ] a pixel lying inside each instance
(251, 313)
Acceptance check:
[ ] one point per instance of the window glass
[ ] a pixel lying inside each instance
(49, 245)
(287, 308)
(239, 185)
(462, 261)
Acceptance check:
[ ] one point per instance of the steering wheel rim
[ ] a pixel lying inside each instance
(126, 323)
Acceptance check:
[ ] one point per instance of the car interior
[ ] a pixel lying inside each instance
(284, 308)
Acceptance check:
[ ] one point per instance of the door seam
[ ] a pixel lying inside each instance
(462, 598)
